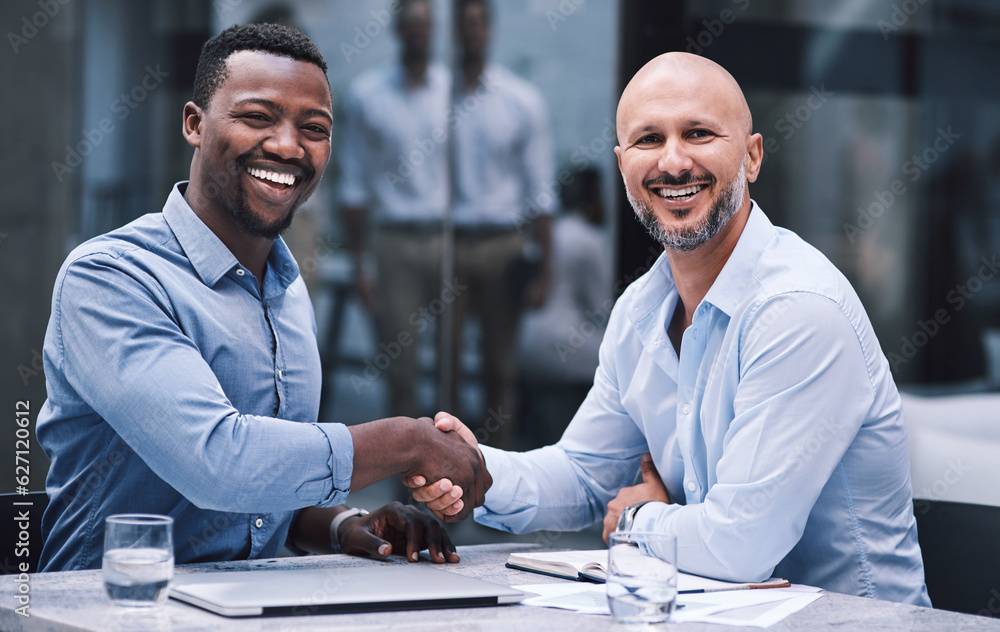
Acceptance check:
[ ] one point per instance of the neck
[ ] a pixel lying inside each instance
(250, 251)
(472, 69)
(695, 271)
(415, 66)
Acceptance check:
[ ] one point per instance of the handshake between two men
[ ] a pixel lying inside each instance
(445, 498)
(441, 462)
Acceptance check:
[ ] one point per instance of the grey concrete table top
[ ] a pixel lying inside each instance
(76, 601)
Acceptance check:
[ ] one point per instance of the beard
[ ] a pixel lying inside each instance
(238, 208)
(252, 223)
(686, 239)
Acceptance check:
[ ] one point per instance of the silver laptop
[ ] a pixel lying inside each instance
(336, 590)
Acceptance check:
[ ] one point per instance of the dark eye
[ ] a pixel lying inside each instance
(317, 129)
(700, 133)
(647, 139)
(255, 116)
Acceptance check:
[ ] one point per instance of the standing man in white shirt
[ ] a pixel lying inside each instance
(743, 362)
(503, 169)
(395, 175)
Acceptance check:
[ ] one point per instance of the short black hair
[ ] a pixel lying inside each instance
(268, 38)
(487, 9)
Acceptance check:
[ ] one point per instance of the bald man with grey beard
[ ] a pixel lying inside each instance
(740, 377)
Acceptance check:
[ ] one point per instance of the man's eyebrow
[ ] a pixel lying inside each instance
(271, 105)
(320, 113)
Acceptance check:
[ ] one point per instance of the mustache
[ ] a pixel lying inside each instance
(245, 159)
(666, 179)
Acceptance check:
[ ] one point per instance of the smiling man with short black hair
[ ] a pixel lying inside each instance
(181, 361)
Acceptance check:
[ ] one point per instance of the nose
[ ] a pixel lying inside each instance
(285, 142)
(674, 159)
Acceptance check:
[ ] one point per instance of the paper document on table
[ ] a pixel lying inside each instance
(586, 598)
(757, 608)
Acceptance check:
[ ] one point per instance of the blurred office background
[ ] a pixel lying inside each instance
(882, 133)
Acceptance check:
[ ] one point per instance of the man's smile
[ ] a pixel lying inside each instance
(275, 182)
(275, 177)
(682, 194)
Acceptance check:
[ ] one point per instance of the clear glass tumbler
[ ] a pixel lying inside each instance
(138, 561)
(642, 576)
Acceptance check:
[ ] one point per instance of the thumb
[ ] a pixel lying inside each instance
(364, 541)
(445, 422)
(649, 473)
(414, 482)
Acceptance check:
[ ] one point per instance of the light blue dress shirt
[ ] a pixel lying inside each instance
(778, 431)
(177, 387)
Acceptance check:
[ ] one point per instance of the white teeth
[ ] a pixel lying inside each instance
(273, 176)
(669, 194)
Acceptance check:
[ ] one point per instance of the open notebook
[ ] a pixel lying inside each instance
(591, 566)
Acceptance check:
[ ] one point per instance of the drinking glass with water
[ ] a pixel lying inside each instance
(138, 561)
(642, 576)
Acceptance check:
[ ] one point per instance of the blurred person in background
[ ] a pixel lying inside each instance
(395, 181)
(504, 174)
(402, 120)
(558, 343)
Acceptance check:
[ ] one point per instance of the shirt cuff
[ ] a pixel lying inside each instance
(649, 514)
(341, 462)
(500, 494)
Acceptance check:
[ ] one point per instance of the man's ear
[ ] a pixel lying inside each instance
(755, 155)
(191, 125)
(618, 153)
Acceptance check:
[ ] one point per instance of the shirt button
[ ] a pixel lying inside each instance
(259, 523)
(686, 409)
(240, 272)
(281, 376)
(691, 485)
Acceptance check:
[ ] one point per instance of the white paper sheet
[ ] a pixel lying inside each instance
(757, 608)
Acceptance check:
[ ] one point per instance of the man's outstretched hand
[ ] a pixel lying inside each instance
(442, 496)
(650, 489)
(396, 529)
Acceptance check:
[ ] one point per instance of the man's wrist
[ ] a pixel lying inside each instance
(338, 520)
(627, 519)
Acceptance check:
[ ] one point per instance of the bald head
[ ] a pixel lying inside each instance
(683, 76)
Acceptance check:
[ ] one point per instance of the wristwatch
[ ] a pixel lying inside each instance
(338, 520)
(628, 516)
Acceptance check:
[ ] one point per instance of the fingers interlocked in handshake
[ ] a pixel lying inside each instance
(447, 499)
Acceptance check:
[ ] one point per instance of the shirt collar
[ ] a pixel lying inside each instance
(736, 275)
(210, 258)
(729, 287)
